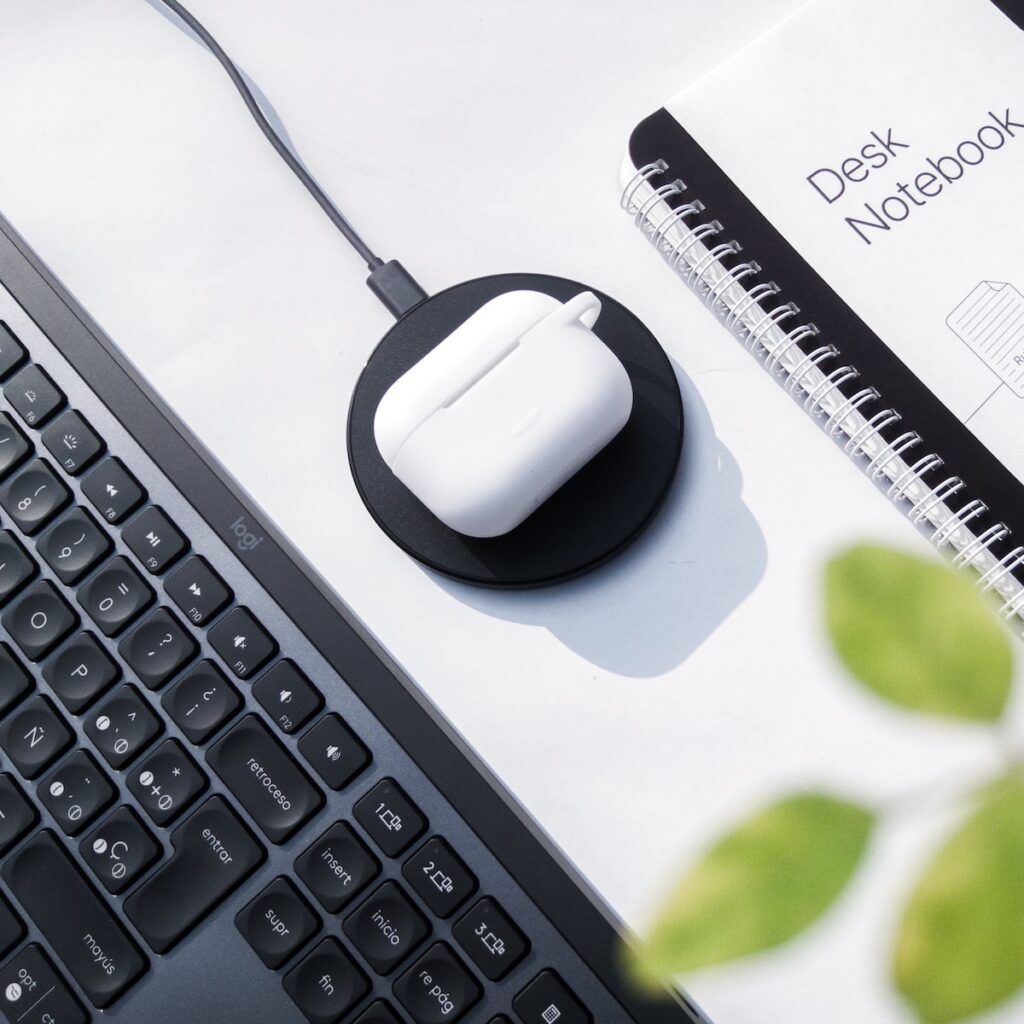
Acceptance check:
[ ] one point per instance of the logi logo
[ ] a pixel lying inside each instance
(245, 538)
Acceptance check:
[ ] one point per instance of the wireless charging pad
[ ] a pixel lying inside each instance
(591, 518)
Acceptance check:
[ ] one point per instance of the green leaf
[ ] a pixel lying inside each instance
(961, 942)
(918, 633)
(757, 887)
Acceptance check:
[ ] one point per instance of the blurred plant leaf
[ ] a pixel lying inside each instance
(918, 633)
(960, 948)
(757, 887)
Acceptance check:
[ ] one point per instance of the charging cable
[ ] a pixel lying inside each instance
(389, 281)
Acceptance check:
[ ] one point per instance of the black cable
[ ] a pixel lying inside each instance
(390, 282)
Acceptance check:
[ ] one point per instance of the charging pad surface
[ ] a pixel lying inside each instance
(594, 516)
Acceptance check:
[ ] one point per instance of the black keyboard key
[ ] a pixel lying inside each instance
(386, 928)
(34, 993)
(33, 496)
(213, 853)
(242, 642)
(439, 877)
(39, 619)
(113, 490)
(16, 568)
(337, 867)
(378, 1013)
(115, 595)
(547, 999)
(334, 751)
(202, 701)
(80, 671)
(490, 939)
(154, 539)
(12, 352)
(14, 445)
(72, 546)
(277, 923)
(33, 394)
(76, 792)
(287, 696)
(72, 442)
(157, 648)
(34, 736)
(437, 988)
(17, 815)
(77, 923)
(166, 782)
(11, 928)
(265, 779)
(197, 590)
(122, 726)
(390, 818)
(119, 850)
(326, 984)
(15, 682)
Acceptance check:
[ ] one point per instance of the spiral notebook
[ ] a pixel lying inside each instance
(847, 196)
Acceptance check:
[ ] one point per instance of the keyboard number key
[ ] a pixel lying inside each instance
(115, 596)
(72, 546)
(34, 496)
(389, 817)
(14, 445)
(439, 877)
(490, 939)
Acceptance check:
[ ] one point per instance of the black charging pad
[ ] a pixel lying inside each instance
(594, 516)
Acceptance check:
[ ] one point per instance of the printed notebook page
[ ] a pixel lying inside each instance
(885, 141)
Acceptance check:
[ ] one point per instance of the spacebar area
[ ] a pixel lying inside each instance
(95, 949)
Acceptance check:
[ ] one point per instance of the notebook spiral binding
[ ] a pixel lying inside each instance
(816, 374)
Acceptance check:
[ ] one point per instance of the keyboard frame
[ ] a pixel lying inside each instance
(318, 616)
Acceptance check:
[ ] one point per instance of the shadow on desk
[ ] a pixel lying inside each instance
(649, 609)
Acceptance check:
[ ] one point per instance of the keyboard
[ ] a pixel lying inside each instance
(220, 800)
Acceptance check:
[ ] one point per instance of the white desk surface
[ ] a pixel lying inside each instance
(636, 711)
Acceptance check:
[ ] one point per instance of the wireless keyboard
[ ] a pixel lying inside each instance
(220, 801)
